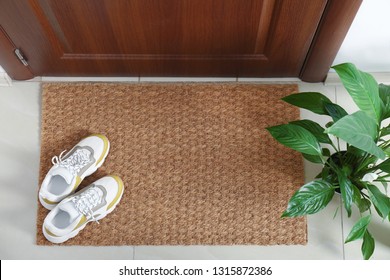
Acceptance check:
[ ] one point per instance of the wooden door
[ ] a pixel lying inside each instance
(259, 38)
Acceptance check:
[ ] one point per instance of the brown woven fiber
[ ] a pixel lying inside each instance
(197, 164)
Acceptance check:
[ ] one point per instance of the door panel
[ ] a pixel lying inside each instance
(171, 27)
(264, 38)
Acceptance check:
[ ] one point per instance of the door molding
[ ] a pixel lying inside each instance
(9, 61)
(332, 29)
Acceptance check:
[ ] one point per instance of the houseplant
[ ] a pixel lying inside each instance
(360, 172)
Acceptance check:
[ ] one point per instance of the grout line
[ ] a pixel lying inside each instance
(133, 252)
(341, 199)
(342, 227)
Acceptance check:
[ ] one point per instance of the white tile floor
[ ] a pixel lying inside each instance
(19, 162)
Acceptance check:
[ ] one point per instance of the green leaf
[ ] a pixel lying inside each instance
(346, 189)
(356, 152)
(387, 151)
(297, 138)
(364, 205)
(329, 124)
(312, 101)
(359, 130)
(325, 173)
(385, 185)
(325, 152)
(384, 91)
(384, 166)
(335, 111)
(358, 229)
(384, 94)
(315, 129)
(364, 165)
(312, 158)
(357, 199)
(362, 87)
(309, 199)
(361, 202)
(380, 200)
(368, 245)
(330, 176)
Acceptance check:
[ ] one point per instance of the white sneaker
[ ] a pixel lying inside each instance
(89, 204)
(70, 169)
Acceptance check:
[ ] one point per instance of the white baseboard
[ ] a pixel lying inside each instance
(87, 79)
(163, 79)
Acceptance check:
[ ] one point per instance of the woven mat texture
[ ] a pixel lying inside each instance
(197, 164)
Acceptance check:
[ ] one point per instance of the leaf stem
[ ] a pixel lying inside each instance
(384, 176)
(334, 147)
(381, 180)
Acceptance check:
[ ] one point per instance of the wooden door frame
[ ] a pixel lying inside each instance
(331, 31)
(9, 61)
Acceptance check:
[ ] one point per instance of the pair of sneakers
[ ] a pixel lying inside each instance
(70, 211)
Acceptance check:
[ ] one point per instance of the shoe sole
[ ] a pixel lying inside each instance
(62, 239)
(87, 173)
(47, 205)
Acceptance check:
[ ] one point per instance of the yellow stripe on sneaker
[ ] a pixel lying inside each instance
(120, 191)
(49, 201)
(77, 183)
(81, 222)
(50, 233)
(105, 148)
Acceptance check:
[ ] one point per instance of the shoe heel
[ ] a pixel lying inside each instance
(48, 206)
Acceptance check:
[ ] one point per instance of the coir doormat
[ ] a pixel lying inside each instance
(198, 166)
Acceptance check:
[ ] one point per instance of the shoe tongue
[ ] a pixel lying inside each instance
(71, 210)
(63, 172)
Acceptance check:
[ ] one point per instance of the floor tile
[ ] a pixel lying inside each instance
(19, 164)
(5, 80)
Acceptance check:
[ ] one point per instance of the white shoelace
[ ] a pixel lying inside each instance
(86, 201)
(75, 162)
